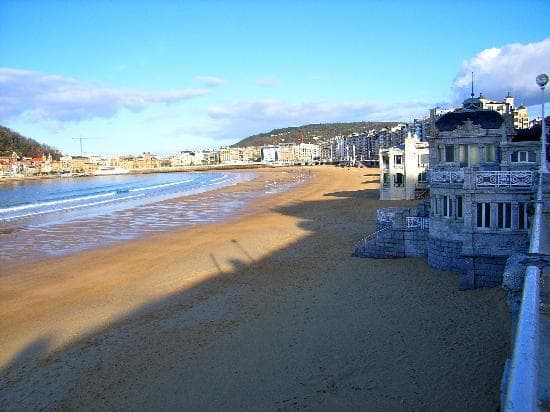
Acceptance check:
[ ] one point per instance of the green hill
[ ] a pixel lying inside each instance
(11, 141)
(310, 133)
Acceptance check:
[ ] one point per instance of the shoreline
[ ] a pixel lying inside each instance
(267, 310)
(182, 169)
(245, 192)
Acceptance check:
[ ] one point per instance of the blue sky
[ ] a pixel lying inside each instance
(172, 75)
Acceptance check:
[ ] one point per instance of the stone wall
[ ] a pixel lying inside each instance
(445, 254)
(482, 272)
(393, 242)
(394, 239)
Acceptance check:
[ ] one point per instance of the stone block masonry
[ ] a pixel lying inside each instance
(394, 243)
(445, 254)
(395, 240)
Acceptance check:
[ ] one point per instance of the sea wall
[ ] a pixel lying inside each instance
(445, 254)
(400, 232)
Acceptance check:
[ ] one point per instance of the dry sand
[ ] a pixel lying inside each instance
(267, 311)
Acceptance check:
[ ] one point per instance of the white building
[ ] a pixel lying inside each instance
(270, 154)
(403, 170)
(290, 154)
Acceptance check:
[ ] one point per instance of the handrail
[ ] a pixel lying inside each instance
(522, 391)
(523, 383)
(364, 240)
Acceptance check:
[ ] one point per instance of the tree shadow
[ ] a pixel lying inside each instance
(306, 326)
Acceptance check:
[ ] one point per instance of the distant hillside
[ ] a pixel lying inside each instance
(308, 132)
(11, 141)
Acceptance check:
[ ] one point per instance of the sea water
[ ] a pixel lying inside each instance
(54, 217)
(59, 216)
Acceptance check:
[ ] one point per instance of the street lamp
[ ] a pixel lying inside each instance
(542, 80)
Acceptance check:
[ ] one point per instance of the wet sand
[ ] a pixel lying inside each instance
(266, 311)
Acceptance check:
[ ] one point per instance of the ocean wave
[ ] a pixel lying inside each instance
(141, 189)
(41, 212)
(54, 202)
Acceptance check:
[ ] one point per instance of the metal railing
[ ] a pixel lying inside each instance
(414, 222)
(366, 239)
(385, 215)
(504, 179)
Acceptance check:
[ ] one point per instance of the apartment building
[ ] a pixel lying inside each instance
(403, 170)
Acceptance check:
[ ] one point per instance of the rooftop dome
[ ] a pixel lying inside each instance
(487, 119)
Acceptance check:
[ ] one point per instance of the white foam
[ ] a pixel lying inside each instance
(179, 182)
(54, 202)
(70, 207)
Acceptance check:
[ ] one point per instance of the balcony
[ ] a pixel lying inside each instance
(505, 179)
(509, 179)
(447, 176)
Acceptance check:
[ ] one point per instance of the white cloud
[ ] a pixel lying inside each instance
(268, 81)
(210, 81)
(512, 68)
(38, 97)
(240, 119)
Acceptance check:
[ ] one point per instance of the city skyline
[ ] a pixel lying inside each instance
(176, 76)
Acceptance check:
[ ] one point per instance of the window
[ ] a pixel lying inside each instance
(386, 180)
(523, 222)
(398, 180)
(504, 215)
(449, 153)
(489, 153)
(463, 155)
(483, 215)
(385, 161)
(474, 154)
(398, 159)
(523, 156)
(435, 206)
(447, 206)
(422, 177)
(423, 159)
(459, 207)
(468, 155)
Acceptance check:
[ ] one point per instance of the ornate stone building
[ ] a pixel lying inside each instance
(482, 180)
(483, 177)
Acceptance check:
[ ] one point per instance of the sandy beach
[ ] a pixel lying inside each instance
(266, 311)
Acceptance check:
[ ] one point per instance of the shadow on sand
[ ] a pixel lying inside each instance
(322, 330)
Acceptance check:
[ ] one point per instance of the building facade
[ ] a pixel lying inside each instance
(483, 178)
(403, 170)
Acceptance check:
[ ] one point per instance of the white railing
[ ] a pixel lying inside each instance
(385, 215)
(504, 179)
(414, 222)
(446, 176)
(363, 242)
(523, 381)
(522, 391)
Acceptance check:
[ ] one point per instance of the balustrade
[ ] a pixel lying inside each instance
(447, 176)
(414, 222)
(504, 179)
